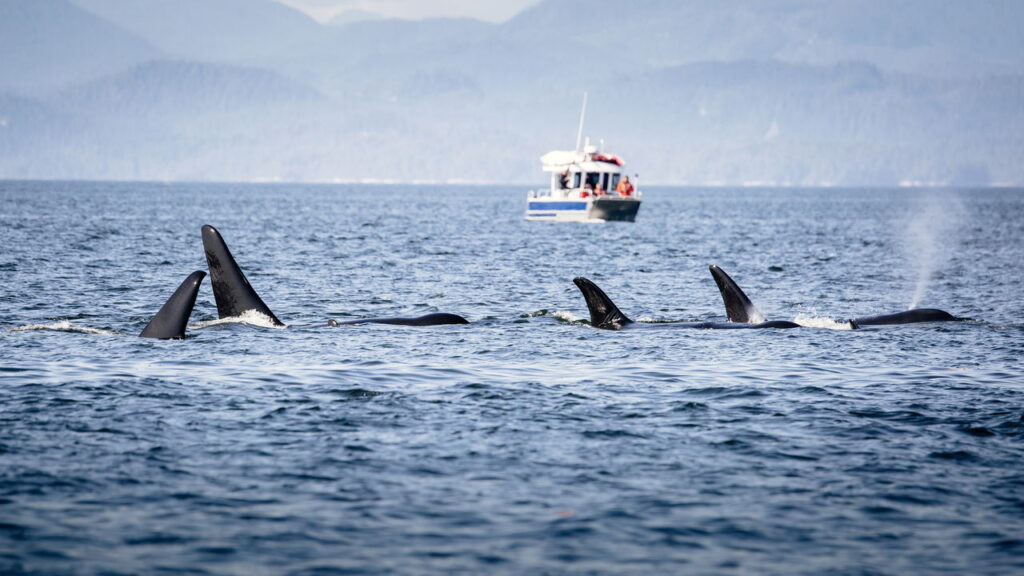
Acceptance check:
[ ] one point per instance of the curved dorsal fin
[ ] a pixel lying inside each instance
(171, 320)
(603, 312)
(738, 307)
(231, 289)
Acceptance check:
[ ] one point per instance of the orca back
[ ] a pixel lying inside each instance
(603, 312)
(915, 316)
(435, 319)
(231, 289)
(172, 319)
(776, 324)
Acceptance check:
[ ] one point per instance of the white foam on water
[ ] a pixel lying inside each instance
(65, 326)
(566, 316)
(251, 317)
(808, 321)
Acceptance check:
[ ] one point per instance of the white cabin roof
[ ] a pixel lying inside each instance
(561, 158)
(573, 161)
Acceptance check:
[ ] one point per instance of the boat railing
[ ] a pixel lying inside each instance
(581, 193)
(611, 194)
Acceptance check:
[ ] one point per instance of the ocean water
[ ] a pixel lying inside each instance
(526, 442)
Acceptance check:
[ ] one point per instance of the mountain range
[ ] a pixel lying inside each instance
(773, 92)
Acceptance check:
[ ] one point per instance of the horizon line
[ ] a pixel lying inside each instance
(467, 183)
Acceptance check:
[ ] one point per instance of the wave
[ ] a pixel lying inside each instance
(251, 317)
(65, 326)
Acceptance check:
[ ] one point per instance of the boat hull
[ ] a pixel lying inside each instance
(614, 209)
(609, 209)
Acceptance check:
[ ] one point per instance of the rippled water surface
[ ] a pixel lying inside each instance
(526, 442)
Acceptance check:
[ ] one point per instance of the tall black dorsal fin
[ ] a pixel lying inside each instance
(231, 289)
(171, 320)
(603, 312)
(738, 307)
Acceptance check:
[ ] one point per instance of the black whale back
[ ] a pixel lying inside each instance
(435, 319)
(907, 317)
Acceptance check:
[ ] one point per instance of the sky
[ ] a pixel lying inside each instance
(487, 10)
(718, 92)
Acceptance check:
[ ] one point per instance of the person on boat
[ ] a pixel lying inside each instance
(564, 181)
(624, 188)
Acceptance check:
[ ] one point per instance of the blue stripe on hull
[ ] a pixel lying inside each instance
(557, 206)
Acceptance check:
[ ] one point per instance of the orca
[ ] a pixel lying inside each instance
(171, 320)
(739, 308)
(231, 289)
(604, 314)
(914, 316)
(435, 319)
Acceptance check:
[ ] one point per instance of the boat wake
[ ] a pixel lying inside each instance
(65, 326)
(250, 317)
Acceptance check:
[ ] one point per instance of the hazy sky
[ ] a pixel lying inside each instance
(488, 10)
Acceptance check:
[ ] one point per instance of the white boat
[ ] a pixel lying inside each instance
(584, 187)
(587, 185)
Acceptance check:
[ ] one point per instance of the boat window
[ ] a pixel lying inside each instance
(593, 179)
(604, 182)
(615, 182)
(576, 180)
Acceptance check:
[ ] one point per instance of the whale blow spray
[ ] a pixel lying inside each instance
(931, 236)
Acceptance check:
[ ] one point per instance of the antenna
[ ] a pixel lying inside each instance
(583, 113)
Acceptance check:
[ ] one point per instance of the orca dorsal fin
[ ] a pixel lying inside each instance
(738, 307)
(172, 319)
(603, 312)
(231, 289)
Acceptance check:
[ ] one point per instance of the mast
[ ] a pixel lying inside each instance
(583, 113)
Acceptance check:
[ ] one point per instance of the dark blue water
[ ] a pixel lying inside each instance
(526, 442)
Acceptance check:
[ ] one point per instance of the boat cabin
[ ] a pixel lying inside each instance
(584, 173)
